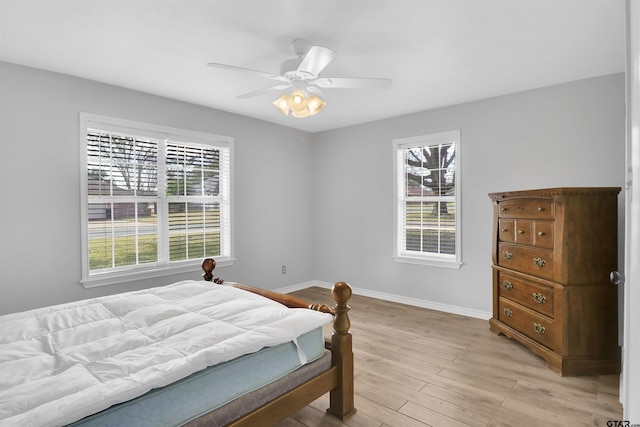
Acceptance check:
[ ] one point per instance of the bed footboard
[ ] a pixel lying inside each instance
(338, 380)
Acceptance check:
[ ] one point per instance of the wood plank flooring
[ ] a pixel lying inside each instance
(416, 367)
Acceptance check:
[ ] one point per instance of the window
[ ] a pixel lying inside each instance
(155, 200)
(427, 199)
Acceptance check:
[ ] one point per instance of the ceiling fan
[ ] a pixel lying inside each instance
(302, 74)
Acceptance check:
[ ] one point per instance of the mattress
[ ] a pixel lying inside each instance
(210, 388)
(245, 404)
(62, 363)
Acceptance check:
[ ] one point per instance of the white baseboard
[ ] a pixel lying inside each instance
(432, 305)
(301, 286)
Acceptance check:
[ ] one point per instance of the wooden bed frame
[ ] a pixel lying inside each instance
(338, 380)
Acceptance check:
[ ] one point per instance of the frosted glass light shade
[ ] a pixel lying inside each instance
(315, 105)
(296, 101)
(301, 114)
(282, 104)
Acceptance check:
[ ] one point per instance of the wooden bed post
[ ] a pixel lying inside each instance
(341, 402)
(207, 266)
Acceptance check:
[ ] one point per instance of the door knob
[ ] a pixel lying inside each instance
(616, 278)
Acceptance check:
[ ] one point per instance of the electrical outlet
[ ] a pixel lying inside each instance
(284, 269)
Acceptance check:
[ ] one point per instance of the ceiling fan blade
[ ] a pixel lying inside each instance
(247, 70)
(352, 83)
(316, 59)
(315, 90)
(261, 91)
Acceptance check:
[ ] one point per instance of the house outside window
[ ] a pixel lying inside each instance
(155, 200)
(427, 200)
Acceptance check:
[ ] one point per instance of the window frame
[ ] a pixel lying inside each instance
(400, 254)
(163, 266)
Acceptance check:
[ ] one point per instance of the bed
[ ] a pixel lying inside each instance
(194, 353)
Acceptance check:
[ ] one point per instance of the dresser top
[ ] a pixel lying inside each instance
(559, 191)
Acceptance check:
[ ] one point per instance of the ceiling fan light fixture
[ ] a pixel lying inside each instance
(299, 105)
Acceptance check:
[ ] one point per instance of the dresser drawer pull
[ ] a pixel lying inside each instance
(539, 262)
(507, 312)
(504, 230)
(503, 209)
(540, 233)
(507, 255)
(520, 231)
(539, 298)
(540, 209)
(507, 285)
(539, 328)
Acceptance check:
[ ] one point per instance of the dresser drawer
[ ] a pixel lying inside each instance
(523, 231)
(526, 208)
(534, 261)
(536, 296)
(506, 230)
(542, 234)
(540, 328)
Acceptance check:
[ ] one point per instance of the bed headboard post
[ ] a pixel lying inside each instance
(208, 265)
(342, 398)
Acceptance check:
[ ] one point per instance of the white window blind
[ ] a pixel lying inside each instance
(153, 197)
(193, 195)
(427, 192)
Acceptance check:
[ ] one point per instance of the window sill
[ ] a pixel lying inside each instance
(118, 277)
(433, 262)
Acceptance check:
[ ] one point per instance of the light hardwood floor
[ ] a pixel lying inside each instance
(416, 367)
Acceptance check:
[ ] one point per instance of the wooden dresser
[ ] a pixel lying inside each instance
(553, 250)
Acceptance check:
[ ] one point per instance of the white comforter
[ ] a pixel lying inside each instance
(61, 363)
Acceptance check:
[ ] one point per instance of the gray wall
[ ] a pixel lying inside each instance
(40, 260)
(560, 136)
(320, 203)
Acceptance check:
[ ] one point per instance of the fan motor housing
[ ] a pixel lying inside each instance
(289, 69)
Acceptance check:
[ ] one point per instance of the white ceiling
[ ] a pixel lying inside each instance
(437, 52)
